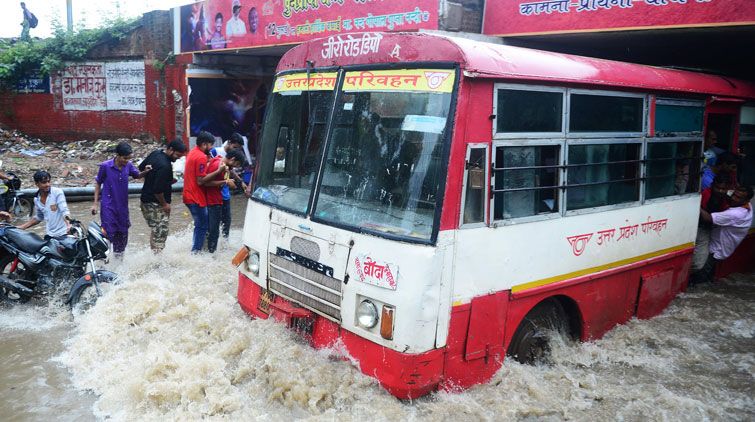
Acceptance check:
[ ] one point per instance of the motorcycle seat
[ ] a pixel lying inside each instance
(26, 241)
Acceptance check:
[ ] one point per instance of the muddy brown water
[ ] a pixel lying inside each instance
(170, 342)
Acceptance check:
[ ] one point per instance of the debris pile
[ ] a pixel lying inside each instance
(70, 163)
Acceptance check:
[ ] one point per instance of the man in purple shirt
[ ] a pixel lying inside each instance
(111, 184)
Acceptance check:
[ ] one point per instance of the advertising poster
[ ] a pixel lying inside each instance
(529, 17)
(219, 24)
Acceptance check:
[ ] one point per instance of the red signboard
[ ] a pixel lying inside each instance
(220, 24)
(530, 17)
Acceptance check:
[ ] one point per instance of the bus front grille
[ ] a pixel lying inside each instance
(311, 289)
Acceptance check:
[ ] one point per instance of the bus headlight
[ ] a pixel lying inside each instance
(367, 315)
(254, 263)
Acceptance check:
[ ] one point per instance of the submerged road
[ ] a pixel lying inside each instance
(171, 342)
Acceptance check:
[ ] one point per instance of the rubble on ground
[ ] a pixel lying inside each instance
(70, 163)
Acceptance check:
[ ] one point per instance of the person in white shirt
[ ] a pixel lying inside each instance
(729, 229)
(50, 206)
(235, 26)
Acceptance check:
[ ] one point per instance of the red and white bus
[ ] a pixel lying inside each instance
(433, 204)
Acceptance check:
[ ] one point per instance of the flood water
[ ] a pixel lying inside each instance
(171, 342)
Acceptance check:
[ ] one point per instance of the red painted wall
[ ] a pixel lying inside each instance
(40, 115)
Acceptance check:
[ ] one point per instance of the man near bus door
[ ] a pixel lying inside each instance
(50, 206)
(194, 195)
(156, 192)
(725, 163)
(112, 182)
(712, 151)
(729, 228)
(236, 142)
(713, 199)
(213, 187)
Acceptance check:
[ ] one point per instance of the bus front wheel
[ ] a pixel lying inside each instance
(531, 341)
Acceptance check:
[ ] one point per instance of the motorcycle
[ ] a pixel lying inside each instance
(31, 266)
(12, 199)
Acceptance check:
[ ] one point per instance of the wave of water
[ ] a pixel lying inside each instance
(170, 341)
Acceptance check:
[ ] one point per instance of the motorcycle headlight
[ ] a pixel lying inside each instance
(367, 315)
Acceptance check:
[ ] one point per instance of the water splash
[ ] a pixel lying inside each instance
(171, 342)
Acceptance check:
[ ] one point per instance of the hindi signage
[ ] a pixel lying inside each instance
(83, 86)
(33, 83)
(528, 17)
(99, 86)
(218, 24)
(125, 86)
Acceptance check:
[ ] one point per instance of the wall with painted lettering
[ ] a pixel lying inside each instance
(112, 94)
(99, 86)
(90, 108)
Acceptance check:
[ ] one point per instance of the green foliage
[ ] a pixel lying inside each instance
(20, 58)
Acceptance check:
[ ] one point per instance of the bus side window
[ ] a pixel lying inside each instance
(527, 180)
(476, 185)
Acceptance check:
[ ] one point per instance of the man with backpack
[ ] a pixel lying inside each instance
(30, 21)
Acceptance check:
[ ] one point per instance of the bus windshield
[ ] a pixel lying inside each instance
(382, 166)
(292, 140)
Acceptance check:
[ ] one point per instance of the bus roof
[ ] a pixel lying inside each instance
(487, 60)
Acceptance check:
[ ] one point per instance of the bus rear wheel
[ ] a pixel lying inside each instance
(531, 341)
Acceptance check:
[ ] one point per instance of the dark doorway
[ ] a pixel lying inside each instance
(723, 125)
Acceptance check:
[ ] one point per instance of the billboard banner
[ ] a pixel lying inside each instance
(100, 86)
(530, 17)
(219, 24)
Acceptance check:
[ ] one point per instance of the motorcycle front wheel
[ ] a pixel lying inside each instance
(86, 297)
(23, 207)
(19, 273)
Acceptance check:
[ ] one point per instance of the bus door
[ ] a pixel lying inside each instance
(722, 119)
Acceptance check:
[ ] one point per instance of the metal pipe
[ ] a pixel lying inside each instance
(88, 191)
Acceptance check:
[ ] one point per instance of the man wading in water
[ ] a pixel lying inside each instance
(112, 181)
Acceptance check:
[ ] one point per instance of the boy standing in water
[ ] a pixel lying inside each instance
(213, 187)
(112, 182)
(50, 206)
(236, 142)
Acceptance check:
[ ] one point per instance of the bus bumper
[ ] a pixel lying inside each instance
(406, 376)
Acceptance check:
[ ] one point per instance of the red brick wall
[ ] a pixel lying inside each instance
(39, 115)
(36, 115)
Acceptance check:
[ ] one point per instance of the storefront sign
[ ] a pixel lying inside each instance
(218, 24)
(523, 17)
(99, 86)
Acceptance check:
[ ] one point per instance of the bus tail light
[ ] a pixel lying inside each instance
(386, 322)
